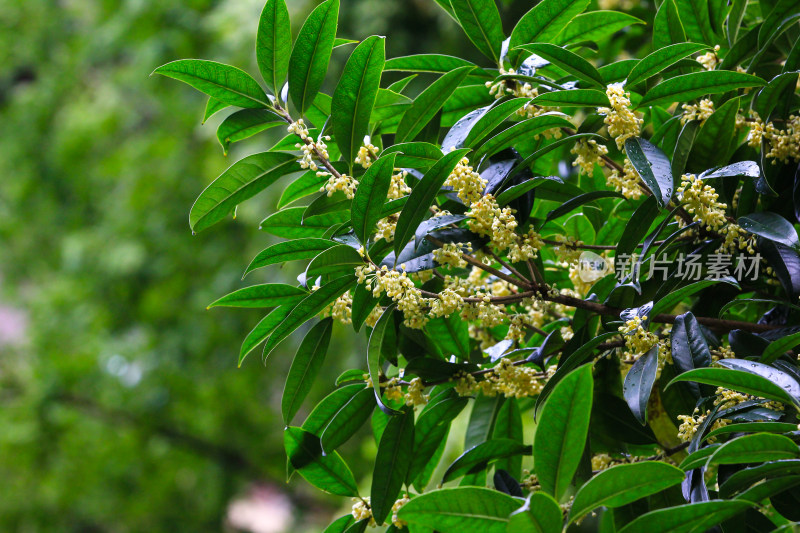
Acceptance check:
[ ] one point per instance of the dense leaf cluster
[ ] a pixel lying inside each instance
(445, 220)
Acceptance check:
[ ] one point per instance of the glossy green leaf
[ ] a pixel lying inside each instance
(690, 86)
(263, 330)
(428, 103)
(562, 430)
(674, 298)
(573, 98)
(227, 84)
(338, 258)
(460, 509)
(756, 448)
(328, 473)
(431, 429)
(491, 119)
(752, 427)
(418, 155)
(569, 61)
(244, 124)
(530, 127)
(436, 63)
(781, 10)
(653, 166)
(595, 26)
(624, 484)
(290, 224)
(696, 20)
(392, 462)
(545, 21)
(638, 226)
(690, 518)
(780, 346)
(784, 380)
(242, 180)
(508, 425)
(372, 191)
(355, 95)
(746, 477)
(274, 44)
(771, 226)
(422, 197)
(480, 455)
(515, 191)
(540, 514)
(374, 350)
(289, 251)
(639, 383)
(347, 420)
(319, 417)
(213, 106)
(737, 380)
(578, 201)
(717, 136)
(266, 295)
(667, 26)
(308, 308)
(311, 54)
(768, 488)
(661, 59)
(481, 22)
(305, 368)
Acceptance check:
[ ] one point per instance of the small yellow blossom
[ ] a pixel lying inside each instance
(622, 122)
(589, 153)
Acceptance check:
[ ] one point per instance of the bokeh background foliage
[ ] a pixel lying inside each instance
(121, 407)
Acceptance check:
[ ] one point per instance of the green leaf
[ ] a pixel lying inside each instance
(667, 26)
(389, 105)
(571, 205)
(774, 93)
(562, 430)
(372, 191)
(653, 166)
(290, 224)
(756, 448)
(340, 525)
(669, 301)
(661, 59)
(335, 259)
(451, 334)
(637, 227)
(325, 410)
(328, 473)
(428, 103)
(323, 204)
(699, 458)
(266, 295)
(491, 119)
(244, 124)
(639, 383)
(540, 514)
(244, 179)
(782, 9)
(569, 61)
(274, 44)
(515, 191)
(752, 427)
(573, 98)
(422, 197)
(716, 137)
(460, 509)
(374, 351)
(212, 107)
(263, 330)
(311, 54)
(355, 95)
(436, 63)
(780, 346)
(526, 128)
(508, 425)
(481, 22)
(481, 454)
(347, 420)
(289, 251)
(737, 380)
(690, 518)
(772, 227)
(783, 380)
(744, 478)
(307, 308)
(416, 155)
(697, 84)
(392, 463)
(307, 184)
(227, 84)
(689, 347)
(431, 429)
(683, 147)
(305, 368)
(768, 488)
(696, 21)
(545, 21)
(595, 26)
(624, 484)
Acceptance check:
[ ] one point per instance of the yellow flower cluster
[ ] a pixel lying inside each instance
(529, 481)
(450, 254)
(362, 511)
(508, 379)
(784, 144)
(627, 183)
(385, 228)
(400, 288)
(365, 153)
(467, 183)
(621, 121)
(637, 339)
(700, 111)
(343, 183)
(689, 425)
(723, 352)
(415, 395)
(448, 302)
(309, 146)
(341, 309)
(398, 187)
(399, 524)
(709, 60)
(588, 153)
(726, 399)
(567, 251)
(486, 218)
(700, 200)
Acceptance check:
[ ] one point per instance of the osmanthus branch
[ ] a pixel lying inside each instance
(284, 114)
(604, 246)
(491, 270)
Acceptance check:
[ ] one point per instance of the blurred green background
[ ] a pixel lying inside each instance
(121, 405)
